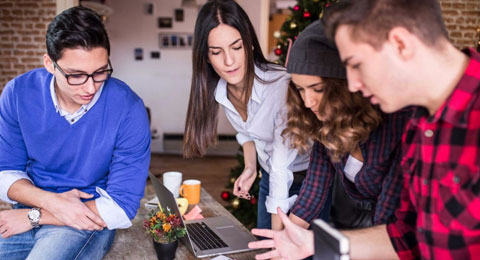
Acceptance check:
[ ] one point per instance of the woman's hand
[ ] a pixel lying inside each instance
(244, 182)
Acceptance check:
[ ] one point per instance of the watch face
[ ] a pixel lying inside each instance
(34, 214)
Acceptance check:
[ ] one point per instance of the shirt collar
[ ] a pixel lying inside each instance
(86, 107)
(458, 105)
(221, 90)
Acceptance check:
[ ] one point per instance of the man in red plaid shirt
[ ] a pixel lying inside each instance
(397, 53)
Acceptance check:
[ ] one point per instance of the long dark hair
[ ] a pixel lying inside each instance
(202, 113)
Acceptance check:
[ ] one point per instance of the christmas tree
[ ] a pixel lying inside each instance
(302, 14)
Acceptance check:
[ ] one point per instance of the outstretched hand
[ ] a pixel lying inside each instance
(293, 242)
(68, 208)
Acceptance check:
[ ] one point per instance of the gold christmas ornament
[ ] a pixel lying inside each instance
(232, 180)
(293, 25)
(236, 203)
(277, 34)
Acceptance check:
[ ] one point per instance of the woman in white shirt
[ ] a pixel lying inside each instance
(229, 69)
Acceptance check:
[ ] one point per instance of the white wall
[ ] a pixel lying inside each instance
(163, 84)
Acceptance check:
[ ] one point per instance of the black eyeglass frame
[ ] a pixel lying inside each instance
(110, 71)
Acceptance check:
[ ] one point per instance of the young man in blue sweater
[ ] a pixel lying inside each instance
(74, 148)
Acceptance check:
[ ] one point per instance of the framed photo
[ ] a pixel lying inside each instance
(176, 40)
(148, 8)
(164, 41)
(165, 22)
(179, 15)
(155, 55)
(138, 53)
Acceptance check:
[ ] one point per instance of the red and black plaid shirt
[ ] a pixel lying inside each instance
(439, 213)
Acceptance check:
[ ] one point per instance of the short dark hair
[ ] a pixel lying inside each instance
(76, 27)
(372, 20)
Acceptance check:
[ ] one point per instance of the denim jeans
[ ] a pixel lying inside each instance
(56, 242)
(264, 219)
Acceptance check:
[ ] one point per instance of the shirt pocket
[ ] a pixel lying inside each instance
(458, 192)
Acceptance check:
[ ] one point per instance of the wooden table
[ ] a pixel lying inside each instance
(134, 243)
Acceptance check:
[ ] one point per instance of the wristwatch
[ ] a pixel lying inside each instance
(34, 216)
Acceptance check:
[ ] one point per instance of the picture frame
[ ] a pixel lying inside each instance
(148, 8)
(165, 22)
(179, 15)
(176, 40)
(138, 53)
(155, 55)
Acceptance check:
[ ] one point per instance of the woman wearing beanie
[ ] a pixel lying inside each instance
(229, 69)
(356, 147)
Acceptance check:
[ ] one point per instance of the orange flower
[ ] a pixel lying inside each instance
(166, 227)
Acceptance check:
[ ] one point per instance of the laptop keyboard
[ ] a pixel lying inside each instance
(204, 237)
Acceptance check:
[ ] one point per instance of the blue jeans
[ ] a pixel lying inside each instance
(56, 242)
(264, 219)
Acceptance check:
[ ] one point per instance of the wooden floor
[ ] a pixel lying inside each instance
(212, 171)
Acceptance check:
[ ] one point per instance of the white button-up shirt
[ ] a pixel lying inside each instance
(266, 119)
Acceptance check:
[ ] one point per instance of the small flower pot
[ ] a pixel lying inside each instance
(165, 251)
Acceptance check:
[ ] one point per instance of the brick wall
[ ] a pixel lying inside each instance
(23, 24)
(462, 18)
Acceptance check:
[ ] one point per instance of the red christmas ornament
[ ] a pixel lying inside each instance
(278, 51)
(306, 14)
(295, 37)
(327, 4)
(296, 8)
(253, 200)
(225, 195)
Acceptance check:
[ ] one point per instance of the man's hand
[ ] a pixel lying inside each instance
(69, 209)
(244, 182)
(14, 221)
(293, 242)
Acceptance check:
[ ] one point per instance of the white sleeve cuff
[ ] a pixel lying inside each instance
(284, 204)
(7, 178)
(113, 215)
(241, 138)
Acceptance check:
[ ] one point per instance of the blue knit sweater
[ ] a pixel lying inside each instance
(108, 147)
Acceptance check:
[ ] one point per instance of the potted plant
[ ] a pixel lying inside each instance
(165, 228)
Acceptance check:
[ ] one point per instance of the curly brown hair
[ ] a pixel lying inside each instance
(348, 119)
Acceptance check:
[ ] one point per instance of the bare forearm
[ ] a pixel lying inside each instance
(24, 192)
(48, 218)
(299, 221)
(370, 243)
(250, 155)
(66, 207)
(276, 222)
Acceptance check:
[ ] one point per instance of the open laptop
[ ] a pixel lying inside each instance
(329, 242)
(207, 236)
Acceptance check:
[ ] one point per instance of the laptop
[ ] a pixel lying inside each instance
(329, 242)
(207, 236)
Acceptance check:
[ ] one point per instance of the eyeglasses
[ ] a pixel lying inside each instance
(81, 78)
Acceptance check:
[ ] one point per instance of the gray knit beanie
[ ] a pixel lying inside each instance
(314, 54)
